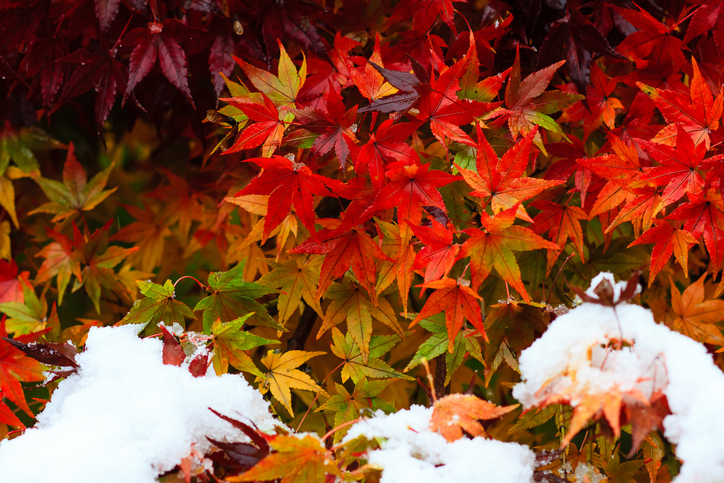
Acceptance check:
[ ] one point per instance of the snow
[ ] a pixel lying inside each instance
(409, 451)
(657, 359)
(127, 417)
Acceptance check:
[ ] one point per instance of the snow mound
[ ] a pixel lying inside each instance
(658, 359)
(411, 452)
(127, 417)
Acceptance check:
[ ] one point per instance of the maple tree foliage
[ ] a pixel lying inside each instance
(408, 181)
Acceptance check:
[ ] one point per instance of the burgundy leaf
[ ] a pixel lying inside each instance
(50, 353)
(106, 11)
(173, 353)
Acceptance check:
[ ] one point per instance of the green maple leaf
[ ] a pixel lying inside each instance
(347, 406)
(231, 344)
(75, 193)
(159, 305)
(353, 304)
(354, 366)
(230, 297)
(466, 342)
(296, 279)
(28, 316)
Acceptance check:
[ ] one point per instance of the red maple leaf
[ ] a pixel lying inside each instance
(159, 41)
(667, 241)
(267, 130)
(500, 182)
(704, 215)
(335, 125)
(491, 248)
(345, 249)
(409, 188)
(11, 284)
(439, 253)
(99, 71)
(562, 223)
(699, 113)
(288, 183)
(16, 367)
(458, 301)
(678, 170)
(386, 145)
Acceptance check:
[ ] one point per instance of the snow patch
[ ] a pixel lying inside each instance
(658, 359)
(409, 451)
(127, 417)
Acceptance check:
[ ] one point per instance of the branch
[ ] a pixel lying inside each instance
(304, 328)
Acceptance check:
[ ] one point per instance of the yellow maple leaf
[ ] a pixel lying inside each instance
(282, 375)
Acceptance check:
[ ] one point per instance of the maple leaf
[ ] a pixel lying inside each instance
(221, 57)
(654, 43)
(230, 297)
(240, 456)
(409, 188)
(268, 129)
(492, 247)
(395, 244)
(75, 193)
(16, 367)
(386, 145)
(562, 222)
(159, 41)
(358, 309)
(458, 301)
(11, 284)
(40, 62)
(699, 113)
(295, 279)
(600, 105)
(369, 81)
(295, 460)
(347, 406)
(424, 13)
(288, 183)
(668, 240)
(345, 250)
(679, 168)
(455, 413)
(576, 38)
(704, 215)
(158, 305)
(527, 103)
(511, 327)
(282, 89)
(99, 71)
(335, 125)
(148, 233)
(695, 316)
(88, 256)
(499, 181)
(344, 347)
(31, 314)
(439, 254)
(281, 376)
(436, 99)
(466, 344)
(232, 343)
(182, 202)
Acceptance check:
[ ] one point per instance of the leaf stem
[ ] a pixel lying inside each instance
(203, 287)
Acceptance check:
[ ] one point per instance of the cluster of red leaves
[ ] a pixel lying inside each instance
(357, 152)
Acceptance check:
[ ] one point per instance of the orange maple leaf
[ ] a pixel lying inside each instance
(456, 413)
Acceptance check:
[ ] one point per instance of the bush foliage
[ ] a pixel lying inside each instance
(374, 183)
